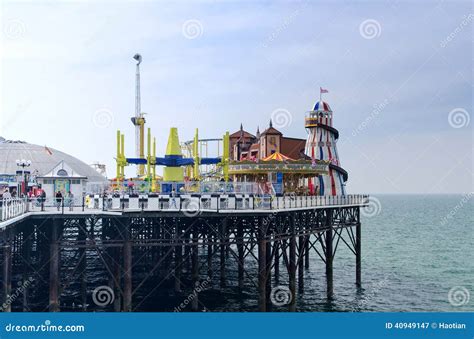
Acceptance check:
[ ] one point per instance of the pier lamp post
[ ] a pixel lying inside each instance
(24, 163)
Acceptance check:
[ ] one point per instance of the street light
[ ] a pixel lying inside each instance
(24, 163)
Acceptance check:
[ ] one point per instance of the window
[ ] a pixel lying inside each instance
(62, 173)
(75, 181)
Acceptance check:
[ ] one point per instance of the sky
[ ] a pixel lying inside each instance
(399, 76)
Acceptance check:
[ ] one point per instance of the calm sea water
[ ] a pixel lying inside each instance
(416, 250)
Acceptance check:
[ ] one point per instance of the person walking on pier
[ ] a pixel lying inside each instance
(59, 198)
(42, 198)
(70, 200)
(7, 194)
(173, 199)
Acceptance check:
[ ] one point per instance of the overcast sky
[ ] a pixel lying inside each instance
(399, 75)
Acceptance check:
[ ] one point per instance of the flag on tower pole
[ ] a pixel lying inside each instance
(321, 91)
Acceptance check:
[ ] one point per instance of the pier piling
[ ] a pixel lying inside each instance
(262, 268)
(127, 269)
(292, 264)
(301, 247)
(7, 282)
(54, 267)
(27, 233)
(195, 270)
(358, 250)
(276, 268)
(329, 255)
(240, 254)
(223, 245)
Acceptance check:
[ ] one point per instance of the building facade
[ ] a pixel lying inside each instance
(246, 146)
(49, 167)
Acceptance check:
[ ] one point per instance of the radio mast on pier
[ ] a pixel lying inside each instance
(139, 121)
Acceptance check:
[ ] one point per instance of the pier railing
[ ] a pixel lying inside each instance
(12, 207)
(224, 202)
(191, 204)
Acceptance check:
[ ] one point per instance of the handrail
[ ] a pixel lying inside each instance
(189, 204)
(229, 202)
(12, 207)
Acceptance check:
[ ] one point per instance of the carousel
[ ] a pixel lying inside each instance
(279, 174)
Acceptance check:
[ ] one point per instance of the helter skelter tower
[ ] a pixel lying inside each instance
(321, 145)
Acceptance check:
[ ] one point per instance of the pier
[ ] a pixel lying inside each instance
(172, 242)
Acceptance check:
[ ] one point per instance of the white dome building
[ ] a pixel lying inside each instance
(53, 169)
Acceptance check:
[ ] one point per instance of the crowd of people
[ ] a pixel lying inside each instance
(60, 199)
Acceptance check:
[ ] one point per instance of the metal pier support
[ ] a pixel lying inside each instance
(195, 270)
(81, 237)
(301, 247)
(7, 276)
(292, 263)
(54, 267)
(116, 269)
(210, 252)
(223, 240)
(240, 253)
(306, 252)
(329, 255)
(358, 243)
(276, 271)
(262, 267)
(26, 271)
(178, 257)
(268, 270)
(127, 276)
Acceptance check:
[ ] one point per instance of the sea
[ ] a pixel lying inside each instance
(417, 256)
